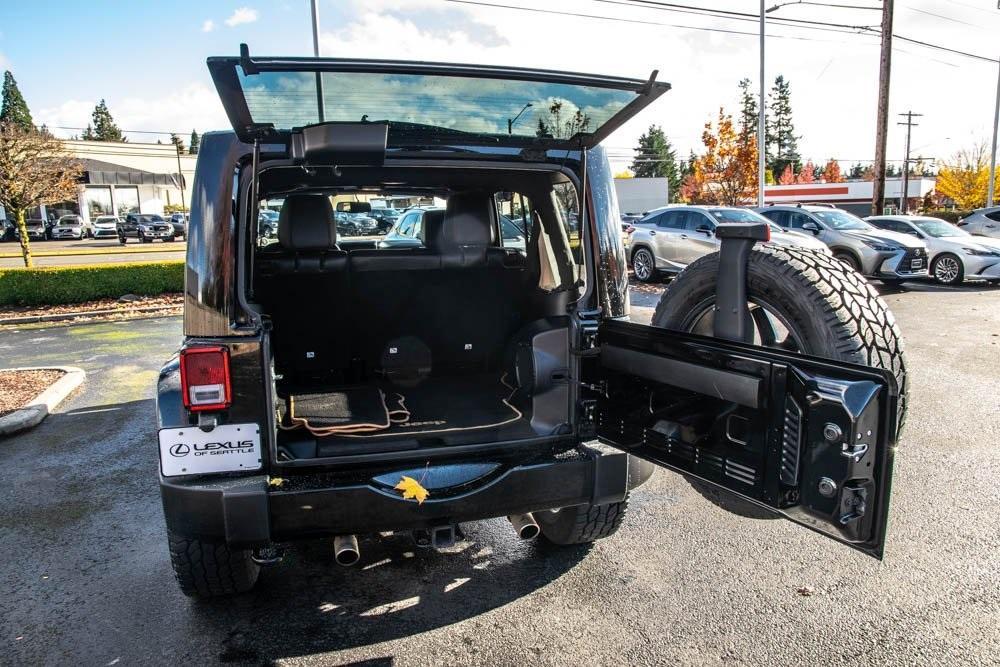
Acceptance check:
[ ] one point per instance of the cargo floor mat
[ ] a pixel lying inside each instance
(455, 409)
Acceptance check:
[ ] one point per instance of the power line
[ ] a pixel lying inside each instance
(727, 15)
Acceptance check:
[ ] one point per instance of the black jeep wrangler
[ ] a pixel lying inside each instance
(328, 388)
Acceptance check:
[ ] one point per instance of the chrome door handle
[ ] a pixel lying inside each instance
(652, 232)
(684, 236)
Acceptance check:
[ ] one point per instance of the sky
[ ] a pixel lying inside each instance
(147, 60)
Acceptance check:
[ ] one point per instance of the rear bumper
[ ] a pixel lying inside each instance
(243, 511)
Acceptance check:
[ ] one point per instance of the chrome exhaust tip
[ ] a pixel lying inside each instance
(345, 550)
(524, 526)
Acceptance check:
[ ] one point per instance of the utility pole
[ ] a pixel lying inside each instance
(320, 103)
(882, 124)
(906, 160)
(761, 145)
(180, 176)
(993, 151)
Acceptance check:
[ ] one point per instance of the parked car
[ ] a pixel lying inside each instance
(670, 238)
(953, 253)
(145, 227)
(267, 223)
(408, 232)
(326, 393)
(179, 222)
(7, 230)
(512, 233)
(385, 217)
(105, 226)
(71, 227)
(37, 230)
(876, 253)
(982, 222)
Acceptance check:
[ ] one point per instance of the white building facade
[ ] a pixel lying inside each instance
(120, 178)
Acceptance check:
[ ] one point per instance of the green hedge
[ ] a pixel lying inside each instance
(53, 285)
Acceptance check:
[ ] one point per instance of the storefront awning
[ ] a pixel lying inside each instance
(98, 172)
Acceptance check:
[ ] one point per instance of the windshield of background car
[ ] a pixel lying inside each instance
(841, 220)
(736, 215)
(939, 228)
(469, 104)
(69, 222)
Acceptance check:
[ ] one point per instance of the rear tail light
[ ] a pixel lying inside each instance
(205, 378)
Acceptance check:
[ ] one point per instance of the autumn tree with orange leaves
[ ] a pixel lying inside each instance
(831, 172)
(727, 172)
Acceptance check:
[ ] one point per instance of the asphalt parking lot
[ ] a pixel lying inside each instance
(85, 577)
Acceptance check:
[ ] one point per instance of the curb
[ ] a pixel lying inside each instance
(45, 402)
(34, 319)
(177, 247)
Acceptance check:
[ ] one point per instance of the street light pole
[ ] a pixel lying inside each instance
(511, 121)
(320, 103)
(761, 146)
(180, 175)
(993, 150)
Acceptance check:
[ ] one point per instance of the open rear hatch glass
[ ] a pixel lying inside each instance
(427, 103)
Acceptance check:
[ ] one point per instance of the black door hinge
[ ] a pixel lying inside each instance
(587, 423)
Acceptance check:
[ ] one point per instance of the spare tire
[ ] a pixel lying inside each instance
(801, 301)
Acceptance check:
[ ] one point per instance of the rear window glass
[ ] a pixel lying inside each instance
(455, 103)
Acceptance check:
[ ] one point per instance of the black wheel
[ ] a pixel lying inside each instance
(122, 240)
(847, 258)
(169, 240)
(947, 269)
(582, 523)
(800, 301)
(644, 266)
(205, 569)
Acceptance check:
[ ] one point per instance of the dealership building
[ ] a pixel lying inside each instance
(120, 178)
(853, 196)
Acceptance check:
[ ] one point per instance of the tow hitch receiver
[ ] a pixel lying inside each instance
(732, 315)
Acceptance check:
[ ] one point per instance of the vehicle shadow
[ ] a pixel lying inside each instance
(932, 286)
(311, 605)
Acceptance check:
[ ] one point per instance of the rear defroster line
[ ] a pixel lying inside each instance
(398, 417)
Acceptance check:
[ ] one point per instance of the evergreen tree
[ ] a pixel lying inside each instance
(178, 142)
(14, 109)
(749, 113)
(103, 127)
(657, 158)
(782, 144)
(195, 143)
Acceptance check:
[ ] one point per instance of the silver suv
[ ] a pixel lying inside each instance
(876, 253)
(982, 222)
(669, 238)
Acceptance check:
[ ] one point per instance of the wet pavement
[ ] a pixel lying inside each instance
(86, 579)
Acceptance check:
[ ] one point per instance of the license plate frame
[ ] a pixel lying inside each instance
(916, 264)
(190, 450)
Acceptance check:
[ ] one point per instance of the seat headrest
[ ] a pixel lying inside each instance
(430, 230)
(306, 223)
(467, 224)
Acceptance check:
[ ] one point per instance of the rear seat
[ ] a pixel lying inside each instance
(303, 284)
(459, 295)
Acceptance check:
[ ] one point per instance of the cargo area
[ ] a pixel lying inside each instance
(452, 330)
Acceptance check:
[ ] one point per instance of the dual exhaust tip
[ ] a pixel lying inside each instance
(346, 551)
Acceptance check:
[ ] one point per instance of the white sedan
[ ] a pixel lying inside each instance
(953, 254)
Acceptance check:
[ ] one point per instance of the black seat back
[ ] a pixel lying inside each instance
(303, 284)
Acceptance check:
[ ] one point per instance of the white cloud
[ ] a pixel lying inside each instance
(208, 25)
(241, 16)
(194, 106)
(833, 76)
